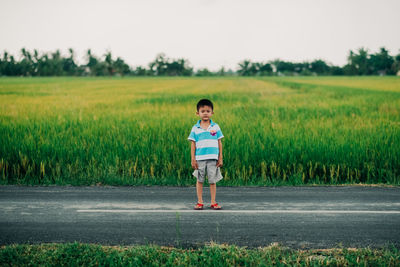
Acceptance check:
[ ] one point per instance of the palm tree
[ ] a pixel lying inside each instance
(244, 68)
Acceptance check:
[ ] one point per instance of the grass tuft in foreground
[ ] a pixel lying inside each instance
(78, 254)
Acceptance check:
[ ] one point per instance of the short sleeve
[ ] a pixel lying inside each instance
(192, 136)
(219, 133)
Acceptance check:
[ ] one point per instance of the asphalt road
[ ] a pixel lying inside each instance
(298, 217)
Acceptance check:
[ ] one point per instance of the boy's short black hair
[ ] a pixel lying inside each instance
(204, 102)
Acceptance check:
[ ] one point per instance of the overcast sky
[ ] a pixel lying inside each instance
(209, 33)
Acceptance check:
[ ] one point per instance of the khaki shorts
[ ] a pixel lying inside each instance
(213, 172)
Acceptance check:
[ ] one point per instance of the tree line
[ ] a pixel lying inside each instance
(359, 62)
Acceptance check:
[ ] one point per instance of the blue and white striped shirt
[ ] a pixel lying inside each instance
(206, 140)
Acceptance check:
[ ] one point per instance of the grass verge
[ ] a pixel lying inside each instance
(80, 254)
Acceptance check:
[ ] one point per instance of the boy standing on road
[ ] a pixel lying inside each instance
(206, 152)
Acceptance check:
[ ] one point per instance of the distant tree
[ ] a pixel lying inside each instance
(204, 73)
(26, 63)
(221, 71)
(163, 66)
(9, 67)
(54, 63)
(358, 63)
(319, 67)
(2, 65)
(264, 69)
(141, 71)
(92, 62)
(159, 65)
(230, 72)
(248, 68)
(36, 60)
(12, 67)
(396, 64)
(179, 67)
(69, 66)
(284, 67)
(381, 62)
(109, 63)
(245, 68)
(303, 67)
(336, 70)
(121, 67)
(96, 66)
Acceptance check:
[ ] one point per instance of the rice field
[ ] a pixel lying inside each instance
(131, 131)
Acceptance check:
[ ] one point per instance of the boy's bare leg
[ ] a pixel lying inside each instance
(199, 189)
(213, 191)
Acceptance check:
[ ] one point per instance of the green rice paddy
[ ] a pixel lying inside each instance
(130, 131)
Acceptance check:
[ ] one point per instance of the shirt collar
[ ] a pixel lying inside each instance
(198, 123)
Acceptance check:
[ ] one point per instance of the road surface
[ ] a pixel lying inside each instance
(297, 217)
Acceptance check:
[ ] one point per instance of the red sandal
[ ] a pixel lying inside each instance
(215, 206)
(199, 206)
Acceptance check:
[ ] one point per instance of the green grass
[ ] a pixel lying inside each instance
(78, 254)
(131, 131)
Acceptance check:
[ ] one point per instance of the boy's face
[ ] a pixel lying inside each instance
(205, 113)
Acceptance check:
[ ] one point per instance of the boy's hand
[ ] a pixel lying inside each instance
(194, 164)
(219, 163)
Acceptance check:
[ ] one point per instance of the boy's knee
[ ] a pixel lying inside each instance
(212, 184)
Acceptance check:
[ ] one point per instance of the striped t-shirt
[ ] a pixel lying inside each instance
(206, 140)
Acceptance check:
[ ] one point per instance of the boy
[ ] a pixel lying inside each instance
(206, 152)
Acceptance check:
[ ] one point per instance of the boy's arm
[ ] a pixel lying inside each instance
(219, 162)
(193, 153)
(193, 150)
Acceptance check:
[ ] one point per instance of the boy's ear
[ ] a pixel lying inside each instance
(197, 113)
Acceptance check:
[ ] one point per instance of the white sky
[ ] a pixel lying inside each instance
(209, 33)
